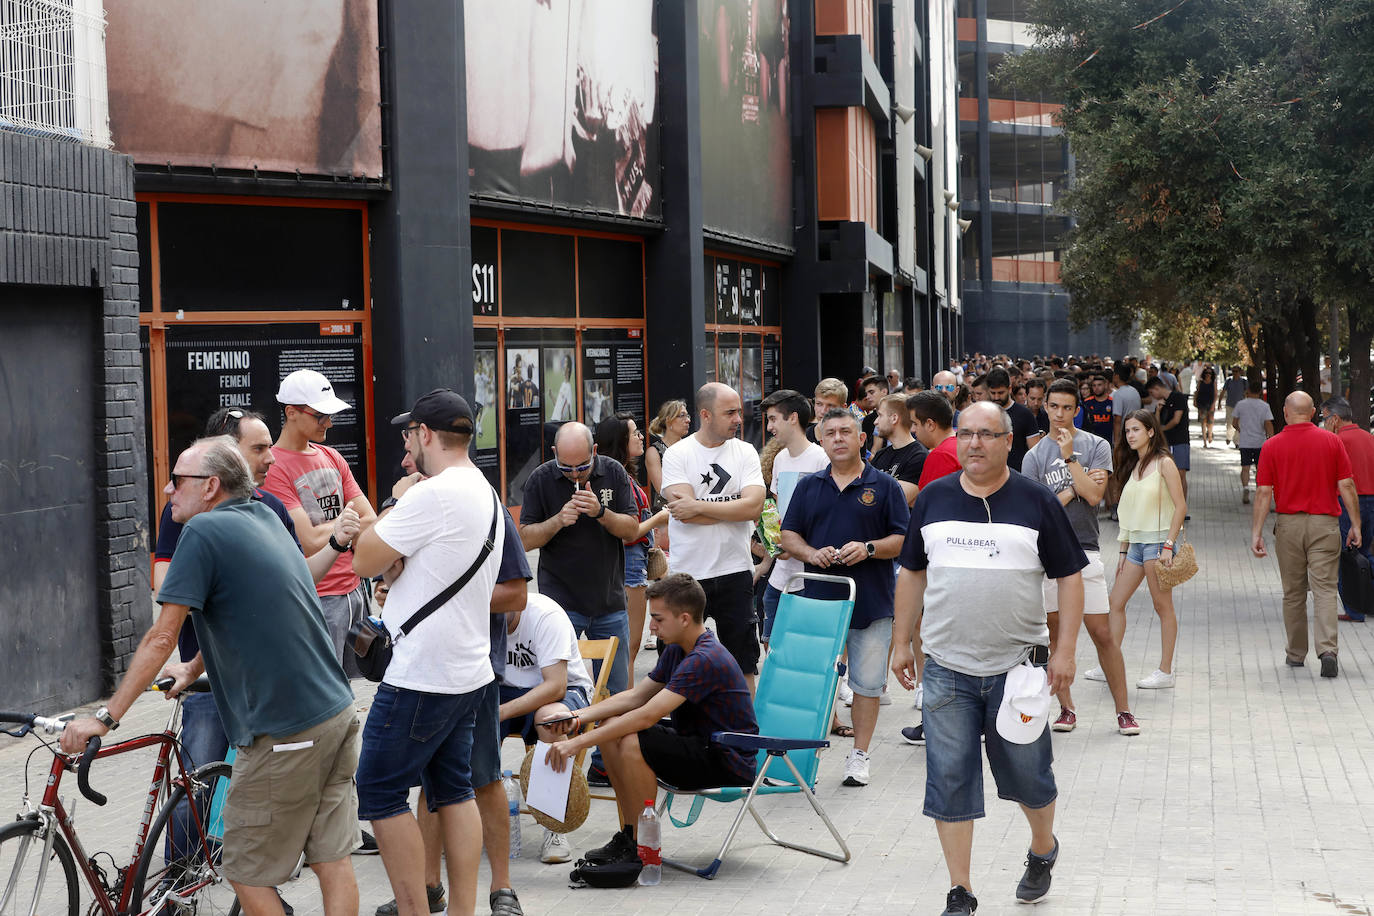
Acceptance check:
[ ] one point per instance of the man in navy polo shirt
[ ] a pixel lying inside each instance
(850, 520)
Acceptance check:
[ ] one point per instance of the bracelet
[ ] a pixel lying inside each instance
(387, 503)
(1169, 547)
(341, 548)
(602, 512)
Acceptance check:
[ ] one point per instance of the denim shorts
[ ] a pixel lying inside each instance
(868, 650)
(413, 737)
(956, 710)
(636, 558)
(575, 698)
(1181, 453)
(1140, 554)
(771, 597)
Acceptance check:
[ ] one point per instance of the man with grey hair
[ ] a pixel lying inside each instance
(714, 488)
(284, 700)
(1359, 445)
(579, 508)
(977, 549)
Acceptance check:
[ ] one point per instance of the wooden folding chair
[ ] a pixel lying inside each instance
(597, 650)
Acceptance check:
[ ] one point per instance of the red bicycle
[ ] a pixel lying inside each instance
(174, 869)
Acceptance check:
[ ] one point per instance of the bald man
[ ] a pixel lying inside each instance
(579, 509)
(1303, 468)
(714, 488)
(946, 383)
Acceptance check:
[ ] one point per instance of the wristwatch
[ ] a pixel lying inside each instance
(387, 503)
(103, 716)
(868, 545)
(1072, 459)
(341, 548)
(602, 512)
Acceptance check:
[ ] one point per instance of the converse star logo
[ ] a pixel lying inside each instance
(706, 479)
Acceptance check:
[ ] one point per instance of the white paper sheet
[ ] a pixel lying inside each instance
(548, 789)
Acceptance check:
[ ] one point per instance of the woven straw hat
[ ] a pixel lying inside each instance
(579, 799)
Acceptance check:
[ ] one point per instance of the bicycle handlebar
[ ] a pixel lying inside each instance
(83, 772)
(199, 685)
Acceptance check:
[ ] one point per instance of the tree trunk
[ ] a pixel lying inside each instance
(1308, 348)
(1361, 337)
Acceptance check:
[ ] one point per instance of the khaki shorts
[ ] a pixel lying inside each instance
(1094, 588)
(290, 795)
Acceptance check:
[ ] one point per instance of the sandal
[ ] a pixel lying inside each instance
(842, 731)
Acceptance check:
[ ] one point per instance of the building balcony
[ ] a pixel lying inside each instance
(52, 70)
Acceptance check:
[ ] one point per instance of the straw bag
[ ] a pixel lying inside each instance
(1184, 566)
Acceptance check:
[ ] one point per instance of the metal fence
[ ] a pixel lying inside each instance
(52, 69)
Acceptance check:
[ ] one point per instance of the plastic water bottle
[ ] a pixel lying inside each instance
(513, 799)
(650, 846)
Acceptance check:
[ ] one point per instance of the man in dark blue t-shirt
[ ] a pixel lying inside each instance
(697, 683)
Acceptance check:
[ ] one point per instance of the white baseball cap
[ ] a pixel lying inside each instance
(1025, 709)
(308, 387)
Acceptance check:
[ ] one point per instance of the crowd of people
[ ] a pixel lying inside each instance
(994, 480)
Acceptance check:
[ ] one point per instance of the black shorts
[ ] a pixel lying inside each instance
(686, 761)
(1249, 457)
(730, 603)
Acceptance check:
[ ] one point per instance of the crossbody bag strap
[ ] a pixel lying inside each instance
(443, 597)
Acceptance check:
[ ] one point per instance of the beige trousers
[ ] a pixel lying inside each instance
(1309, 551)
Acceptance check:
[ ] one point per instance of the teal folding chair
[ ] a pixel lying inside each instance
(793, 705)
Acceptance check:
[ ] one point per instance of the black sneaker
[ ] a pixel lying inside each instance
(1329, 666)
(437, 903)
(368, 847)
(596, 776)
(959, 901)
(1035, 883)
(620, 846)
(916, 734)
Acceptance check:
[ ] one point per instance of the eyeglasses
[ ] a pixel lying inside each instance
(178, 478)
(569, 469)
(407, 430)
(967, 434)
(319, 417)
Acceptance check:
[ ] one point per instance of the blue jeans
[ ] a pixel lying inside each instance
(771, 597)
(617, 625)
(203, 741)
(1366, 532)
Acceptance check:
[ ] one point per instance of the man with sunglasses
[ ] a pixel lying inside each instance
(579, 509)
(316, 485)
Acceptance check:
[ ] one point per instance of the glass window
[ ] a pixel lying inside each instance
(484, 267)
(537, 275)
(536, 372)
(486, 452)
(143, 224)
(871, 331)
(770, 288)
(610, 278)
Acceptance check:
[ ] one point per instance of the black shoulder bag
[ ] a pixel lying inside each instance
(371, 641)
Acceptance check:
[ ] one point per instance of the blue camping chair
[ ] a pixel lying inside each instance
(793, 704)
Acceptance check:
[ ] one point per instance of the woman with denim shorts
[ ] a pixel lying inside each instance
(1150, 513)
(620, 438)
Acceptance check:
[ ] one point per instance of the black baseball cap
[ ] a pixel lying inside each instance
(441, 409)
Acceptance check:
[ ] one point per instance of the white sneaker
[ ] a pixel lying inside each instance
(920, 695)
(1094, 674)
(846, 695)
(555, 848)
(650, 641)
(1156, 680)
(856, 768)
(885, 699)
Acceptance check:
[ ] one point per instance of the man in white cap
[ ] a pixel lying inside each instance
(977, 548)
(315, 484)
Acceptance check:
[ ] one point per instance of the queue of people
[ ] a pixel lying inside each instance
(996, 478)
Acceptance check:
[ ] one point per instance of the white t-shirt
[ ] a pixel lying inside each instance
(439, 526)
(786, 472)
(1250, 415)
(544, 637)
(715, 475)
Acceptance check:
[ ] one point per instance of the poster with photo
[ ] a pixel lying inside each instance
(560, 385)
(597, 401)
(486, 408)
(522, 378)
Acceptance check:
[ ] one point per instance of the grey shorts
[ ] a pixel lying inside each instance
(340, 611)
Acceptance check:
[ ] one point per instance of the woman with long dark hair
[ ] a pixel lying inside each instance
(619, 437)
(1150, 513)
(1206, 400)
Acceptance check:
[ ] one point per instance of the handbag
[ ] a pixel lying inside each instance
(369, 638)
(1184, 566)
(655, 564)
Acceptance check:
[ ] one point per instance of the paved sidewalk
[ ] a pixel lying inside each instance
(1249, 790)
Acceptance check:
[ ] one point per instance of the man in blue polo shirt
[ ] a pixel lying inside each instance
(850, 520)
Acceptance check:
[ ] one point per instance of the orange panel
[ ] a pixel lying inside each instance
(846, 17)
(966, 29)
(832, 168)
(1015, 270)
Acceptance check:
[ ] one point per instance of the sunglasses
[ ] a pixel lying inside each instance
(231, 418)
(569, 469)
(944, 387)
(178, 478)
(319, 417)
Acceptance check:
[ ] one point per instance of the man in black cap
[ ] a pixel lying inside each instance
(440, 678)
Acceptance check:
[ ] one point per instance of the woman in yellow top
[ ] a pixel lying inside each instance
(1151, 515)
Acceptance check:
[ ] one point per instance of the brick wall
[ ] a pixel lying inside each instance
(67, 220)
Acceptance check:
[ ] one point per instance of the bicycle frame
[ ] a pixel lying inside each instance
(53, 812)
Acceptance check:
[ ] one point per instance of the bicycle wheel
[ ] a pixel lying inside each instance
(21, 858)
(178, 871)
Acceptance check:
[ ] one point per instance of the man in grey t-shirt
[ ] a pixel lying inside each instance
(1075, 465)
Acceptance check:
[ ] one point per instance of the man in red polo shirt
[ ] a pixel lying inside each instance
(1359, 445)
(1303, 468)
